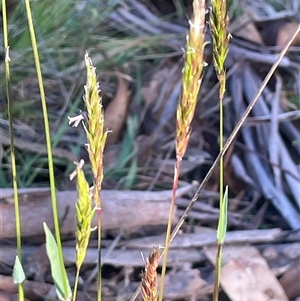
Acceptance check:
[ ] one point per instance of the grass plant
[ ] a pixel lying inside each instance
(191, 82)
(96, 136)
(219, 25)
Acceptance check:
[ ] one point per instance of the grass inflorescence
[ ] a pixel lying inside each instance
(191, 82)
(96, 136)
(149, 279)
(219, 25)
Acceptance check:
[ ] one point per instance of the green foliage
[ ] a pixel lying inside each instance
(49, 19)
(128, 156)
(58, 271)
(64, 30)
(57, 22)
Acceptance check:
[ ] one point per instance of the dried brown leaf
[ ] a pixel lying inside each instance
(116, 112)
(285, 33)
(246, 275)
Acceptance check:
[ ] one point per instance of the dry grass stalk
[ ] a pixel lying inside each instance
(192, 76)
(149, 280)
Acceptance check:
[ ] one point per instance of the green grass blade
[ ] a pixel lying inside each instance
(222, 226)
(18, 272)
(58, 273)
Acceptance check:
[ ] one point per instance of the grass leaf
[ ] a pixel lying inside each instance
(223, 218)
(18, 272)
(58, 272)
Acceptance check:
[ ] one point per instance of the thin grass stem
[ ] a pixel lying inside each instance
(76, 285)
(12, 148)
(99, 277)
(48, 144)
(168, 233)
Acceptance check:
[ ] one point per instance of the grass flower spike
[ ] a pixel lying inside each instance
(94, 128)
(192, 76)
(149, 281)
(218, 25)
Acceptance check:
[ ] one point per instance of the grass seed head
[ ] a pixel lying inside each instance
(149, 280)
(192, 76)
(94, 127)
(219, 25)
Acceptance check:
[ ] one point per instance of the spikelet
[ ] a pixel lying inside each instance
(84, 215)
